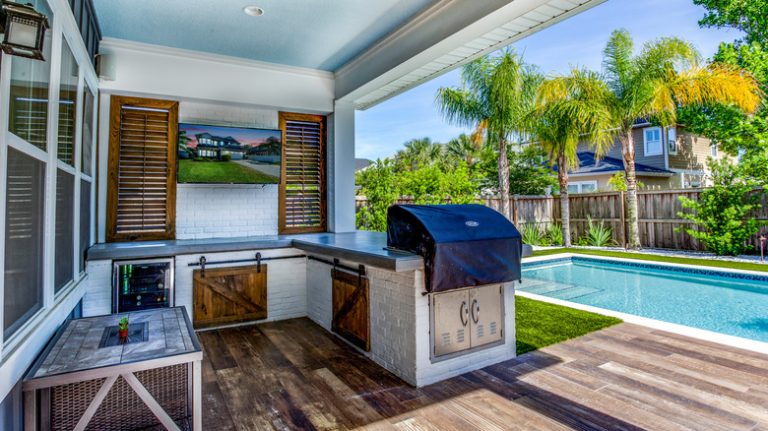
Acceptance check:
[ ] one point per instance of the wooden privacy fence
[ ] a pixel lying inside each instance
(657, 214)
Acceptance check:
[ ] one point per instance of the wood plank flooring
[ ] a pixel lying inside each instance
(294, 375)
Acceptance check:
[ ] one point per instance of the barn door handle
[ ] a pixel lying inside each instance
(464, 313)
(475, 311)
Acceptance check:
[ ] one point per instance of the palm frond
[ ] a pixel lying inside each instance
(617, 60)
(718, 83)
(660, 56)
(460, 107)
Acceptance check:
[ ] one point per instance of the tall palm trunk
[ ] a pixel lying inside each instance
(504, 177)
(565, 205)
(628, 153)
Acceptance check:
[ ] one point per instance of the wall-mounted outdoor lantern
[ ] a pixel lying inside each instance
(24, 30)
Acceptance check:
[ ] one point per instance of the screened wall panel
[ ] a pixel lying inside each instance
(85, 220)
(302, 183)
(28, 111)
(65, 225)
(23, 277)
(86, 161)
(67, 105)
(142, 169)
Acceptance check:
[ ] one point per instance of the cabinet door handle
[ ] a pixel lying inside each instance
(475, 311)
(464, 313)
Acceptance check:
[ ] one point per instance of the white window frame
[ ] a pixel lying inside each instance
(646, 141)
(580, 186)
(53, 304)
(672, 140)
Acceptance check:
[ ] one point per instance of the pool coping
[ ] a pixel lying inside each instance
(689, 331)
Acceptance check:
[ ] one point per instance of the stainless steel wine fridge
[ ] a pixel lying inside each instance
(142, 285)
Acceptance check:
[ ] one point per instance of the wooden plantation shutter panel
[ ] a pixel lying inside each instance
(142, 169)
(302, 183)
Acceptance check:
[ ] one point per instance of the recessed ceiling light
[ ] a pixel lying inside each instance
(253, 11)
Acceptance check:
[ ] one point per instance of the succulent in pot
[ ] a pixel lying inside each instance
(123, 329)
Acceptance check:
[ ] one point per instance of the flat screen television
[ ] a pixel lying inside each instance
(228, 155)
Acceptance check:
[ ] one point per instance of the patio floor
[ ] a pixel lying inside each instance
(294, 375)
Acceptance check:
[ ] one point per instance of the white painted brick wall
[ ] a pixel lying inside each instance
(399, 316)
(216, 211)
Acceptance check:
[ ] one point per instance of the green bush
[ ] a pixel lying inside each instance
(532, 235)
(721, 214)
(226, 158)
(554, 234)
(597, 234)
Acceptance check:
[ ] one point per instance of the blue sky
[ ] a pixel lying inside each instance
(578, 41)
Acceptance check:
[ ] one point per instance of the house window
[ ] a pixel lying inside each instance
(141, 192)
(67, 105)
(302, 205)
(672, 140)
(652, 138)
(582, 187)
(713, 151)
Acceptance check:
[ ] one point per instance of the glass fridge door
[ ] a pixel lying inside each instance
(142, 285)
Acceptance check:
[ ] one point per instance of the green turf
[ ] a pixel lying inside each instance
(191, 171)
(540, 324)
(657, 258)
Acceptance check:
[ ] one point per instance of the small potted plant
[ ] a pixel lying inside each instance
(123, 329)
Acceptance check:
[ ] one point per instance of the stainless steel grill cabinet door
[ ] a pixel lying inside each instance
(451, 322)
(486, 317)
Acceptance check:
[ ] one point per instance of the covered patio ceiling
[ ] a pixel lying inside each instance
(375, 50)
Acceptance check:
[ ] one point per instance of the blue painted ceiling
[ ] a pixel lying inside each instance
(318, 34)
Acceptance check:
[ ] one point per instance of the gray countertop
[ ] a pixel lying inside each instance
(76, 346)
(361, 247)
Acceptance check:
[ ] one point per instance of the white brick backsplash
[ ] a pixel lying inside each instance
(216, 211)
(219, 211)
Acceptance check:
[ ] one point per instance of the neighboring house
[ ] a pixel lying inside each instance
(665, 158)
(361, 164)
(215, 147)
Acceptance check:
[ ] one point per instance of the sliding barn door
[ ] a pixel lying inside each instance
(229, 295)
(351, 317)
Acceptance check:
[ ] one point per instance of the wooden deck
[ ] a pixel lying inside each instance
(294, 375)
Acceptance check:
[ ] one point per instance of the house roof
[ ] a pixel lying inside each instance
(362, 164)
(589, 164)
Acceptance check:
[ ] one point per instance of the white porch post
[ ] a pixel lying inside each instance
(341, 168)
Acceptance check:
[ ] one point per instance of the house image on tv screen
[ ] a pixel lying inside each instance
(214, 147)
(228, 155)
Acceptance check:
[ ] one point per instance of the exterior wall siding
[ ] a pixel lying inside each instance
(692, 152)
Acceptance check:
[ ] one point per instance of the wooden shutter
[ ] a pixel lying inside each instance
(141, 196)
(302, 183)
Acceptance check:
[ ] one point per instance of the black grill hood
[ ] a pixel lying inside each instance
(462, 245)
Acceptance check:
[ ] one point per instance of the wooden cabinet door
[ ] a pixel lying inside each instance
(451, 322)
(229, 295)
(486, 317)
(351, 317)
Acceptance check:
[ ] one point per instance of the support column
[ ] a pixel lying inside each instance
(341, 168)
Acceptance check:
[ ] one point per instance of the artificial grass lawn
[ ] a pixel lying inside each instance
(656, 258)
(191, 171)
(540, 324)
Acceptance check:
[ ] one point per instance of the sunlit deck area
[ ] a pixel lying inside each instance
(295, 375)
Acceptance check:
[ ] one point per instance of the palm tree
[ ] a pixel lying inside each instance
(572, 109)
(419, 152)
(496, 95)
(653, 84)
(463, 147)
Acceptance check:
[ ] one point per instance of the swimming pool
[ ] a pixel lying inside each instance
(731, 303)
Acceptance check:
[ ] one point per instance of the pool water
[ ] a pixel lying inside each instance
(728, 303)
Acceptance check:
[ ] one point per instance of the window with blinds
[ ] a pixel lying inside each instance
(142, 169)
(302, 183)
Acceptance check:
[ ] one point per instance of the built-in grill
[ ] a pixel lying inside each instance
(462, 245)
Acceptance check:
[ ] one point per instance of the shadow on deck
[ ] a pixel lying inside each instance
(295, 375)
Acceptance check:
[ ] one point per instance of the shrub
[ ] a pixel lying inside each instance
(721, 214)
(226, 158)
(555, 234)
(618, 182)
(532, 235)
(597, 234)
